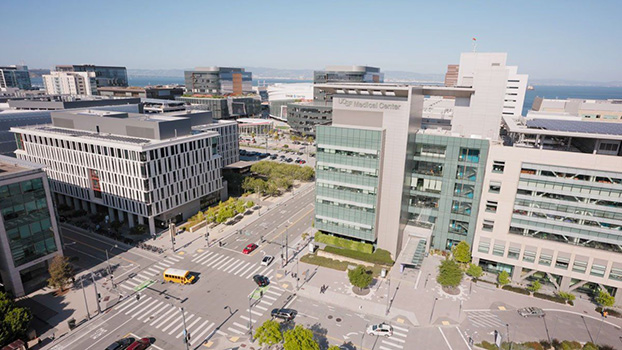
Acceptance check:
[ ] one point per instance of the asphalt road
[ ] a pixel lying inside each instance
(215, 306)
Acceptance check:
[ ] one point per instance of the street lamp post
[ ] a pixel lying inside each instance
(433, 306)
(186, 337)
(548, 336)
(109, 267)
(84, 293)
(250, 315)
(171, 229)
(99, 309)
(602, 317)
(507, 329)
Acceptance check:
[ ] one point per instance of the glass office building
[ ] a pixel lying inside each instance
(347, 180)
(28, 232)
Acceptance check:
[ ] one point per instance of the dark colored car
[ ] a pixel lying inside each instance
(261, 281)
(289, 160)
(249, 248)
(140, 344)
(120, 344)
(284, 314)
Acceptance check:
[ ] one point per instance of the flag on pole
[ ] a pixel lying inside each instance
(474, 39)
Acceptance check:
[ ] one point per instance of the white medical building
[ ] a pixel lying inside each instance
(70, 83)
(135, 168)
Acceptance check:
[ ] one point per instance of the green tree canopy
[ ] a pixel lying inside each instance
(462, 252)
(359, 277)
(60, 272)
(14, 321)
(449, 274)
(474, 271)
(299, 338)
(269, 333)
(503, 278)
(535, 286)
(605, 299)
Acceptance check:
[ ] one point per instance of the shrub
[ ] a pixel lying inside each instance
(605, 299)
(380, 256)
(486, 345)
(533, 345)
(344, 243)
(610, 312)
(474, 271)
(590, 346)
(449, 274)
(535, 286)
(566, 296)
(516, 290)
(503, 278)
(570, 345)
(462, 252)
(554, 298)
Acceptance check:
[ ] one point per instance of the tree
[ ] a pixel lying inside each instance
(269, 333)
(60, 272)
(462, 252)
(535, 286)
(334, 347)
(566, 296)
(250, 204)
(299, 338)
(474, 271)
(240, 206)
(503, 278)
(449, 275)
(605, 299)
(14, 321)
(359, 277)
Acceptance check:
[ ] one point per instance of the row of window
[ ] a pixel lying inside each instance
(571, 174)
(346, 188)
(546, 259)
(572, 188)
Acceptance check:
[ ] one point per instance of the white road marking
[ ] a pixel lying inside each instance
(166, 319)
(163, 315)
(233, 266)
(146, 308)
(444, 337)
(152, 311)
(181, 325)
(175, 322)
(241, 268)
(211, 259)
(142, 303)
(198, 336)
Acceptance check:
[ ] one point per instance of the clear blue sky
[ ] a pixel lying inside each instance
(578, 40)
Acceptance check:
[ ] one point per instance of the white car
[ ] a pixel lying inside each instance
(383, 329)
(267, 260)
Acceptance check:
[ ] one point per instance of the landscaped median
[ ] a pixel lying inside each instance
(341, 253)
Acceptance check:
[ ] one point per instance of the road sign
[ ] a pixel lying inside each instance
(498, 339)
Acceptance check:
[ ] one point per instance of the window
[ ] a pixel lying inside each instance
(562, 263)
(514, 253)
(469, 155)
(498, 249)
(491, 206)
(529, 256)
(488, 225)
(598, 270)
(458, 227)
(615, 274)
(545, 259)
(498, 166)
(484, 247)
(579, 266)
(494, 187)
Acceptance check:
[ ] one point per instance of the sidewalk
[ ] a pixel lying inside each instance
(188, 241)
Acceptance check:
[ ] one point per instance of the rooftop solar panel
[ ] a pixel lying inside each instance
(576, 126)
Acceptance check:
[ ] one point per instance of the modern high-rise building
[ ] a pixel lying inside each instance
(15, 76)
(136, 168)
(70, 83)
(229, 107)
(219, 81)
(303, 117)
(104, 75)
(156, 92)
(28, 231)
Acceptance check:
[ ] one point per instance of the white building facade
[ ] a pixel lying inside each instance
(70, 83)
(137, 169)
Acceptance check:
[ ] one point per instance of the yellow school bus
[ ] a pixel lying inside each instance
(178, 276)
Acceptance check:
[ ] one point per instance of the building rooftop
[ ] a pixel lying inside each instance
(564, 128)
(10, 165)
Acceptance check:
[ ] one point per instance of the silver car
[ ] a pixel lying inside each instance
(531, 312)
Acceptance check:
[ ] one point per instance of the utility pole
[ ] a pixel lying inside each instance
(286, 244)
(84, 293)
(183, 318)
(388, 296)
(250, 315)
(99, 309)
(206, 233)
(507, 329)
(110, 268)
(171, 229)
(297, 277)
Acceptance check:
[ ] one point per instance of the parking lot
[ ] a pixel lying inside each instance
(301, 157)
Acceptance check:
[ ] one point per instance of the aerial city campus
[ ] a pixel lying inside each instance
(106, 174)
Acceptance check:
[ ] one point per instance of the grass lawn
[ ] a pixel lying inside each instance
(313, 259)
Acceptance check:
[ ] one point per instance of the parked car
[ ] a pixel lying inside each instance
(274, 156)
(531, 312)
(267, 260)
(120, 344)
(249, 248)
(381, 329)
(284, 314)
(140, 344)
(261, 280)
(289, 160)
(302, 161)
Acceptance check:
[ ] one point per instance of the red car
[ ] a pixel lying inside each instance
(249, 248)
(140, 344)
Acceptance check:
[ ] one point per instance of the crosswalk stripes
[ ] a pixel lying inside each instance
(176, 321)
(268, 298)
(396, 341)
(233, 266)
(204, 330)
(484, 319)
(243, 268)
(189, 327)
(150, 273)
(164, 315)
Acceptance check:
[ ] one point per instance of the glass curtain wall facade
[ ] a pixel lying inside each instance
(446, 185)
(347, 181)
(27, 220)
